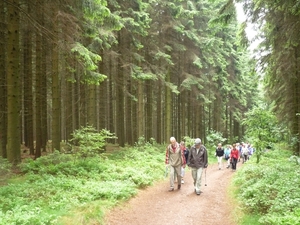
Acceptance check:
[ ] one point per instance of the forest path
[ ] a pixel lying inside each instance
(157, 206)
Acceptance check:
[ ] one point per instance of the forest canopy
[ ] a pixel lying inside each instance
(150, 69)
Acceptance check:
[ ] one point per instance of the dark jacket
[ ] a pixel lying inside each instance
(198, 160)
(219, 152)
(186, 154)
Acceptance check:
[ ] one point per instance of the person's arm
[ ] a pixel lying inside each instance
(205, 158)
(167, 156)
(183, 162)
(189, 157)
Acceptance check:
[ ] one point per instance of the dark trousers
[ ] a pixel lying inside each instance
(234, 162)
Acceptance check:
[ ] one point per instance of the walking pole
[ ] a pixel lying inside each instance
(205, 176)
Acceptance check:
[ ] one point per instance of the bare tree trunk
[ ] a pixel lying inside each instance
(91, 104)
(38, 89)
(128, 109)
(69, 111)
(102, 96)
(3, 88)
(149, 110)
(13, 84)
(111, 96)
(120, 92)
(44, 85)
(159, 123)
(168, 110)
(56, 106)
(140, 109)
(28, 84)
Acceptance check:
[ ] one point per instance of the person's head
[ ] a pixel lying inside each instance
(173, 140)
(197, 142)
(234, 145)
(219, 145)
(182, 145)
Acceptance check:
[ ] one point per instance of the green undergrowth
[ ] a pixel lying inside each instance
(269, 192)
(62, 189)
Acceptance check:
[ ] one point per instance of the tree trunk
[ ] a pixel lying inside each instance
(56, 106)
(120, 92)
(38, 89)
(91, 104)
(3, 50)
(159, 115)
(28, 84)
(102, 97)
(168, 110)
(128, 111)
(13, 84)
(111, 97)
(44, 91)
(140, 109)
(69, 111)
(149, 110)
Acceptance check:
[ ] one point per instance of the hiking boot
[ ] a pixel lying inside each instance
(182, 181)
(198, 192)
(171, 189)
(179, 186)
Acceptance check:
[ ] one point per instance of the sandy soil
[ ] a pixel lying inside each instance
(157, 206)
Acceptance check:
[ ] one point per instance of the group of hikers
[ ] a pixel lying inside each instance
(233, 154)
(196, 158)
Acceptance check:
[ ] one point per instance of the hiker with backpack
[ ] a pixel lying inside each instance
(197, 161)
(175, 160)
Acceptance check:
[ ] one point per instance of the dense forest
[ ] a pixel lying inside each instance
(142, 68)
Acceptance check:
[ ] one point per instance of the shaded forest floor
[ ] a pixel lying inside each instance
(157, 206)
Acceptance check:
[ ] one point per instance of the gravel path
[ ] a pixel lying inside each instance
(157, 206)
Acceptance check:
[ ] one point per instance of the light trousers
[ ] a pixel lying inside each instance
(197, 176)
(175, 171)
(182, 172)
(220, 163)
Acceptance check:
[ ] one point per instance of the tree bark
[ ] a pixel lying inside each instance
(91, 104)
(38, 90)
(3, 88)
(56, 106)
(28, 84)
(13, 84)
(159, 114)
(140, 109)
(168, 110)
(149, 110)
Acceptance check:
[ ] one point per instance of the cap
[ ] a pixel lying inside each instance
(197, 141)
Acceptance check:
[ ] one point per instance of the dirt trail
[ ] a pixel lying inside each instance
(157, 206)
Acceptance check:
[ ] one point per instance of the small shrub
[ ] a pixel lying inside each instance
(5, 166)
(90, 141)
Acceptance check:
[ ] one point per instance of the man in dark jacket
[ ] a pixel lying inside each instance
(197, 160)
